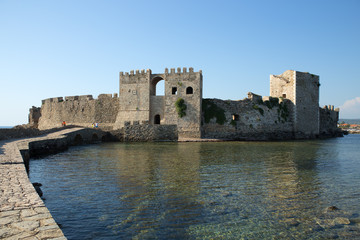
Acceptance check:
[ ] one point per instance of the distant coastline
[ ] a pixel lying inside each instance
(349, 121)
(6, 127)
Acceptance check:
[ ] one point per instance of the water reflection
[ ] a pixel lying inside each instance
(159, 184)
(199, 190)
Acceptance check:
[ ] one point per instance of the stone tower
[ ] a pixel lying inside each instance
(302, 89)
(139, 101)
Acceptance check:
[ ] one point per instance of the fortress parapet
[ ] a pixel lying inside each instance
(143, 106)
(331, 108)
(82, 110)
(141, 100)
(50, 100)
(82, 97)
(254, 97)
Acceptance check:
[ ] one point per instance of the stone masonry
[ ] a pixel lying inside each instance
(79, 110)
(23, 214)
(290, 112)
(140, 101)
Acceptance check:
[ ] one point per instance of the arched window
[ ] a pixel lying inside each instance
(157, 119)
(189, 90)
(157, 86)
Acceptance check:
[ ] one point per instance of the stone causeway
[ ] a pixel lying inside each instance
(23, 214)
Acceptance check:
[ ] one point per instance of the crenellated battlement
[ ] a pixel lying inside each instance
(178, 70)
(142, 72)
(148, 100)
(136, 72)
(78, 98)
(331, 108)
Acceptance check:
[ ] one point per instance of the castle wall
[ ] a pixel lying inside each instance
(34, 116)
(291, 112)
(157, 108)
(134, 97)
(189, 126)
(80, 111)
(329, 118)
(248, 119)
(307, 119)
(138, 100)
(144, 132)
(303, 90)
(283, 86)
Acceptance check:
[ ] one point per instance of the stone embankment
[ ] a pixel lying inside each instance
(23, 214)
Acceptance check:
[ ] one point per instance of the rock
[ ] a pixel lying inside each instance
(332, 208)
(38, 189)
(226, 194)
(342, 221)
(292, 222)
(330, 223)
(37, 184)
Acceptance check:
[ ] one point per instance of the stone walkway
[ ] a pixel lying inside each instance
(23, 214)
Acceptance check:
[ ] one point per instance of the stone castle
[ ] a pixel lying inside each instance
(138, 113)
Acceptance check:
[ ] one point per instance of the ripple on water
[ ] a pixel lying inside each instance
(237, 190)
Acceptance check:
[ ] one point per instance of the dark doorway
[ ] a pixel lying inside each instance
(78, 140)
(157, 119)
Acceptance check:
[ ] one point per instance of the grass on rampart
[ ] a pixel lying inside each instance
(211, 110)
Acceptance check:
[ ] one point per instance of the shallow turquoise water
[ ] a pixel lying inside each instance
(226, 190)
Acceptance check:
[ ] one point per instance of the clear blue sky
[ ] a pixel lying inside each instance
(65, 48)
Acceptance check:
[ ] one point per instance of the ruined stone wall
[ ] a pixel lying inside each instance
(307, 119)
(248, 119)
(137, 132)
(303, 90)
(329, 118)
(283, 86)
(80, 111)
(34, 116)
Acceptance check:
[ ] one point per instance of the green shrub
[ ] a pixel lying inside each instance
(180, 107)
(211, 110)
(256, 107)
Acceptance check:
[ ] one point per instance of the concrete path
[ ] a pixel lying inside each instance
(23, 214)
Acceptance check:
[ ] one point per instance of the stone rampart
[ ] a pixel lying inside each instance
(248, 119)
(329, 118)
(23, 214)
(80, 111)
(292, 111)
(145, 132)
(34, 116)
(23, 131)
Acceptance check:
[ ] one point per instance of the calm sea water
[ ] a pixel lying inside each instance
(226, 190)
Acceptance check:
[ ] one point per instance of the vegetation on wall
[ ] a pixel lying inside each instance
(283, 112)
(180, 107)
(272, 102)
(211, 110)
(256, 107)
